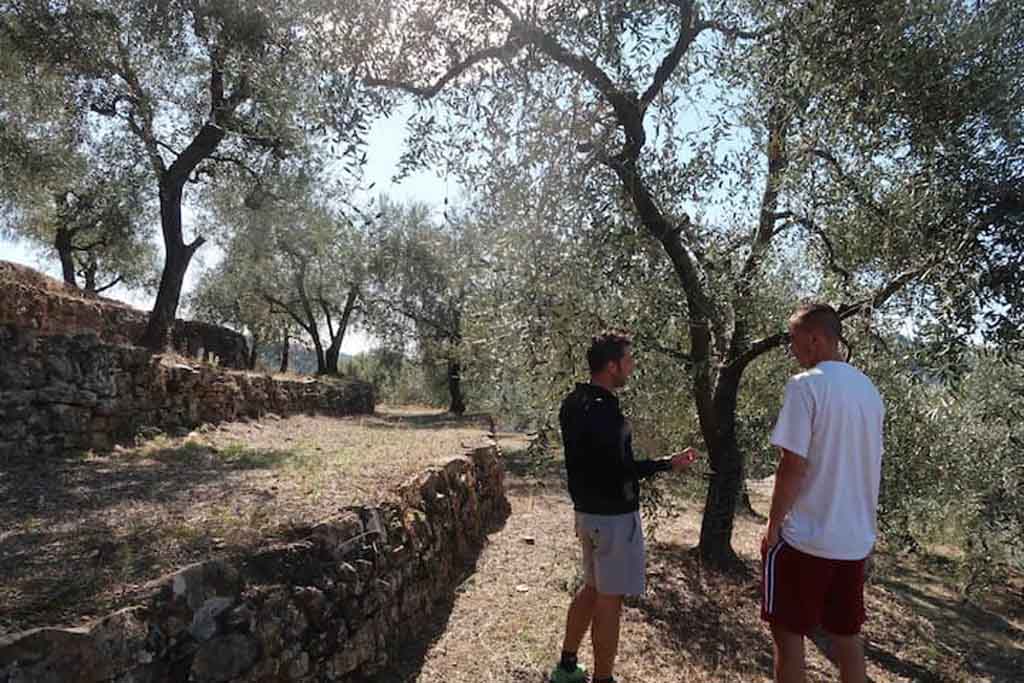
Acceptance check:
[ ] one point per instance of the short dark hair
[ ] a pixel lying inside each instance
(605, 348)
(818, 316)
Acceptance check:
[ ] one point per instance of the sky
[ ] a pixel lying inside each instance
(385, 144)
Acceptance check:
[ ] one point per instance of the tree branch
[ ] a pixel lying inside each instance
(626, 105)
(214, 130)
(417, 317)
(237, 162)
(684, 260)
(144, 130)
(689, 29)
(201, 146)
(241, 94)
(778, 128)
(886, 291)
(673, 353)
(870, 303)
(161, 143)
(759, 347)
(426, 92)
(325, 307)
(814, 228)
(862, 195)
(101, 242)
(104, 288)
(732, 32)
(778, 161)
(274, 301)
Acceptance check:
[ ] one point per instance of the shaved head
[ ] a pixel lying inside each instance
(820, 318)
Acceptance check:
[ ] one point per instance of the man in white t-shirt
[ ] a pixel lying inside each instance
(821, 527)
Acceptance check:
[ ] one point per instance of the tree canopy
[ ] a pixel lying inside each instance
(202, 91)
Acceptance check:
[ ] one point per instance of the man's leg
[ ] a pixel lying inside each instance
(843, 618)
(849, 651)
(789, 655)
(581, 609)
(581, 613)
(604, 633)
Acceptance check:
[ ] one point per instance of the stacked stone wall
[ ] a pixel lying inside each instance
(34, 301)
(62, 393)
(336, 606)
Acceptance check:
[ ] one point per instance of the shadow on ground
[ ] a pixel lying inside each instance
(529, 468)
(985, 643)
(711, 617)
(930, 636)
(45, 489)
(67, 542)
(428, 419)
(409, 657)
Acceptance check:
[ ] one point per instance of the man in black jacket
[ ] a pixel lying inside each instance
(604, 482)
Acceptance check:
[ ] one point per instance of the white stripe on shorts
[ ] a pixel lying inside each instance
(769, 577)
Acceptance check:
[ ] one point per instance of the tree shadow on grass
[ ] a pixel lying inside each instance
(711, 617)
(715, 619)
(536, 466)
(231, 458)
(78, 532)
(986, 643)
(428, 419)
(873, 652)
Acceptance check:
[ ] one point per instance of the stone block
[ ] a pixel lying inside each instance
(192, 586)
(222, 659)
(205, 622)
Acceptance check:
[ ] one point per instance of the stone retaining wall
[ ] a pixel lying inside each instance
(336, 606)
(71, 393)
(32, 300)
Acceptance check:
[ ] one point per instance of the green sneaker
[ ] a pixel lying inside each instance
(560, 675)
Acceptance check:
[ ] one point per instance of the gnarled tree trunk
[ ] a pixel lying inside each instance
(285, 349)
(338, 335)
(726, 462)
(254, 352)
(62, 243)
(458, 402)
(176, 259)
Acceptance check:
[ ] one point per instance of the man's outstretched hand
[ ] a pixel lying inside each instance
(683, 459)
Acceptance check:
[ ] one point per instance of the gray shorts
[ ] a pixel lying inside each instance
(613, 552)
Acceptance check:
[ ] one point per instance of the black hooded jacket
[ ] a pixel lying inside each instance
(604, 479)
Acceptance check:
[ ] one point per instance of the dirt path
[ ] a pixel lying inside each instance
(506, 622)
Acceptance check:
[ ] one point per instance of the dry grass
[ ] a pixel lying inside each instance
(79, 536)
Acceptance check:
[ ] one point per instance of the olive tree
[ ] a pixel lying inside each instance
(424, 274)
(878, 146)
(201, 90)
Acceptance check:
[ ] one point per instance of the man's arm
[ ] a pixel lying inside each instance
(676, 462)
(788, 479)
(648, 468)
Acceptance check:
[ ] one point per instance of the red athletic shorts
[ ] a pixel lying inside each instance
(801, 591)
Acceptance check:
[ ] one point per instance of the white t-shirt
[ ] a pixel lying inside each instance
(832, 416)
